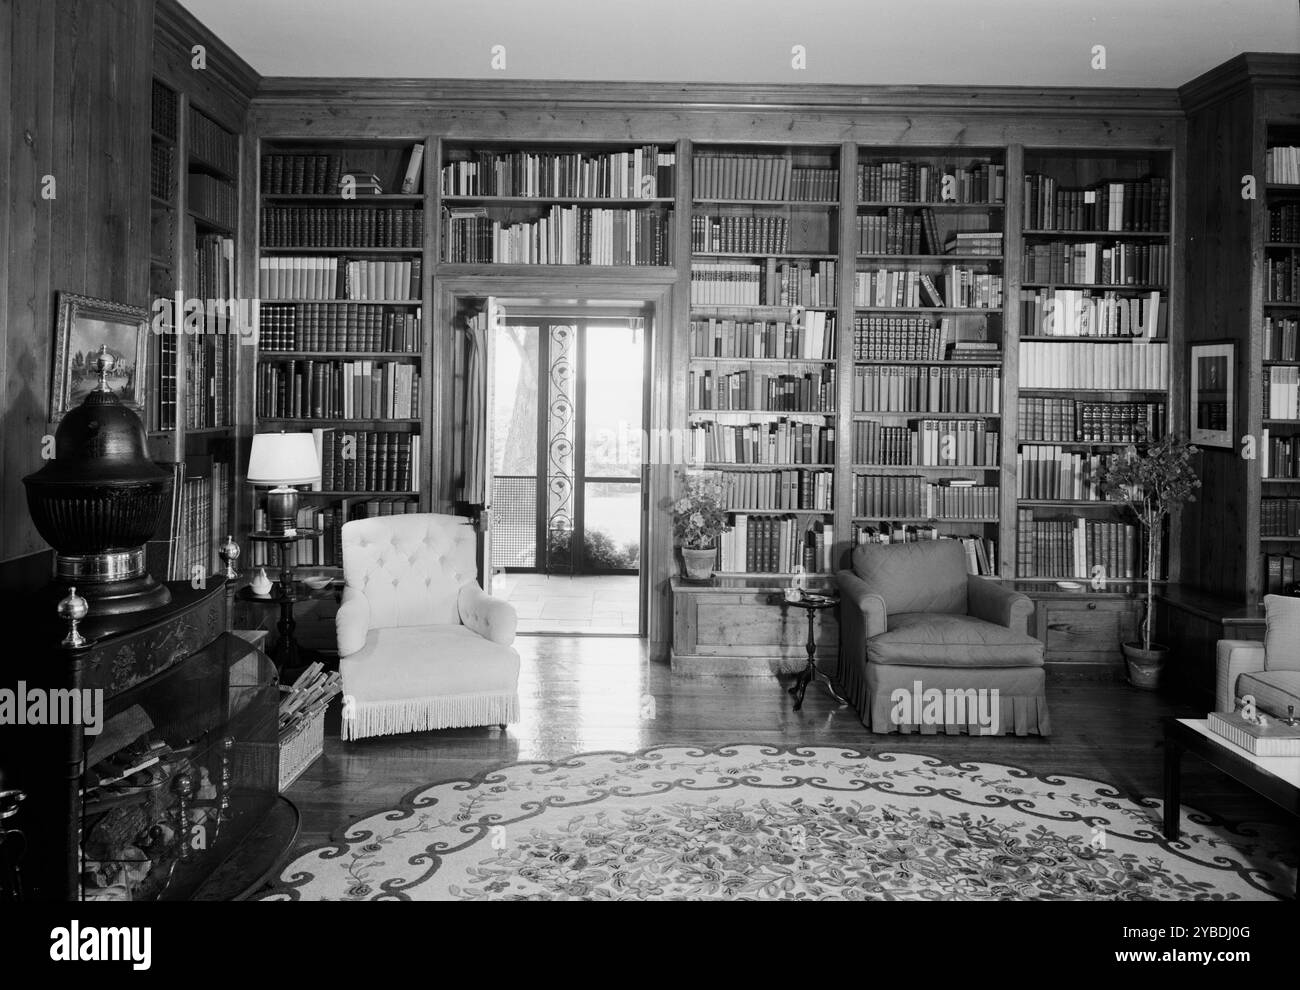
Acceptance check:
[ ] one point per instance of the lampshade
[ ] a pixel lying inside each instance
(283, 459)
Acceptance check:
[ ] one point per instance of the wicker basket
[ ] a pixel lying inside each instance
(299, 749)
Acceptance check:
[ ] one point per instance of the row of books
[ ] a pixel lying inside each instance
(738, 234)
(782, 441)
(305, 277)
(983, 242)
(1098, 263)
(812, 338)
(810, 490)
(1282, 393)
(210, 270)
(165, 387)
(926, 443)
(1089, 313)
(367, 460)
(326, 550)
(1281, 571)
(366, 389)
(1279, 517)
(928, 182)
(774, 283)
(194, 521)
(162, 170)
(812, 391)
(567, 235)
(209, 141)
(1282, 165)
(776, 545)
(1141, 366)
(1281, 338)
(1141, 205)
(963, 287)
(349, 227)
(213, 199)
(1043, 419)
(641, 173)
(346, 327)
(908, 388)
(762, 177)
(1284, 223)
(900, 338)
(1279, 456)
(1073, 548)
(916, 497)
(981, 552)
(301, 174)
(162, 106)
(1282, 278)
(207, 382)
(1047, 471)
(898, 232)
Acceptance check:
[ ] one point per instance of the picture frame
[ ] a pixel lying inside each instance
(1213, 397)
(82, 325)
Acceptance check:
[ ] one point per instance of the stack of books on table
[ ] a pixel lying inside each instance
(1274, 739)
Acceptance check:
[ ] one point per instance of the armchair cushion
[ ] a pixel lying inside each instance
(490, 617)
(1282, 632)
(992, 602)
(1273, 690)
(929, 576)
(352, 621)
(936, 639)
(1234, 657)
(413, 678)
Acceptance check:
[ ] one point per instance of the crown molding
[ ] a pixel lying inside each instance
(178, 29)
(1249, 70)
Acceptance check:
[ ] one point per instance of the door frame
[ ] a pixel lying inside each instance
(652, 289)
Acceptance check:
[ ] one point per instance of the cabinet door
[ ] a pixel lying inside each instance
(1087, 631)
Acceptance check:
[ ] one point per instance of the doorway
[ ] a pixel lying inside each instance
(566, 411)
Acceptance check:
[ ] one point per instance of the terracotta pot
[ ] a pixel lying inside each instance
(1144, 666)
(698, 563)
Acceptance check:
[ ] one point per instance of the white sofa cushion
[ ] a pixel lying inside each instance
(1282, 632)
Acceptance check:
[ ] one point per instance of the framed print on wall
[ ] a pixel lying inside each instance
(83, 324)
(1212, 394)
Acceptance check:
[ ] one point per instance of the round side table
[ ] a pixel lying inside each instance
(812, 604)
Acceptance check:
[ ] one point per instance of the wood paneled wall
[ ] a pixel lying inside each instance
(77, 75)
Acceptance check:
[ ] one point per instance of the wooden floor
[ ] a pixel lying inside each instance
(585, 694)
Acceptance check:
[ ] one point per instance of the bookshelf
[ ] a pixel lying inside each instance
(198, 319)
(927, 341)
(342, 257)
(764, 367)
(1094, 330)
(527, 205)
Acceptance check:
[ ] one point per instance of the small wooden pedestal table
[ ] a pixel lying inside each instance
(286, 593)
(812, 604)
(1275, 777)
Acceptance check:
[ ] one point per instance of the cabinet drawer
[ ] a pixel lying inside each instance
(1086, 631)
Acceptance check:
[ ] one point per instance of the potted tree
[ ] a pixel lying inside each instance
(699, 518)
(1152, 482)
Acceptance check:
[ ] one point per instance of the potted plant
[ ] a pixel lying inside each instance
(1152, 482)
(699, 518)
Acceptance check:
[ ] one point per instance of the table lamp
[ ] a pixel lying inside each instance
(282, 460)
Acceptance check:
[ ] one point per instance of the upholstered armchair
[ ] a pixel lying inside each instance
(1268, 671)
(912, 619)
(421, 645)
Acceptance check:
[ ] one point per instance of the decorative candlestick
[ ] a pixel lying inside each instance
(183, 786)
(72, 610)
(229, 553)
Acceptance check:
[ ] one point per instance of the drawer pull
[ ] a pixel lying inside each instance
(1092, 605)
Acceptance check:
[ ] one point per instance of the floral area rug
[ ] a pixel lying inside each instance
(751, 822)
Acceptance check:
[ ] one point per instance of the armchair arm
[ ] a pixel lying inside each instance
(1232, 658)
(352, 621)
(490, 617)
(861, 606)
(995, 603)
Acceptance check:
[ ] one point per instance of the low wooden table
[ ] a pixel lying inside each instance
(1275, 777)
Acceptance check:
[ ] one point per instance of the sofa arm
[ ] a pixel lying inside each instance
(352, 621)
(490, 617)
(1232, 658)
(995, 603)
(860, 605)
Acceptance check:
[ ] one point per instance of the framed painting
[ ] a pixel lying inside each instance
(1212, 394)
(82, 325)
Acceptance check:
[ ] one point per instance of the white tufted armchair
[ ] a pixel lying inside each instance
(421, 645)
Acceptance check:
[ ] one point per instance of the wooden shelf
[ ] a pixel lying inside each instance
(930, 257)
(211, 224)
(923, 520)
(336, 199)
(829, 204)
(1099, 234)
(346, 302)
(866, 415)
(1077, 503)
(326, 421)
(876, 204)
(596, 201)
(268, 355)
(959, 468)
(341, 250)
(782, 466)
(1106, 286)
(762, 412)
(1092, 339)
(937, 310)
(795, 255)
(908, 363)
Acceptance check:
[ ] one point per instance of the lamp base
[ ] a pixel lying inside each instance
(281, 509)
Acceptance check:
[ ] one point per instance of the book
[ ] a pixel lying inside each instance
(411, 181)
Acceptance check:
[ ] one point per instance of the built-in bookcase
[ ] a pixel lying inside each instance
(1093, 353)
(195, 311)
(763, 383)
(527, 205)
(342, 259)
(927, 344)
(1279, 518)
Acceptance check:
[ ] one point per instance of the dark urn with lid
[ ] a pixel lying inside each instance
(98, 502)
